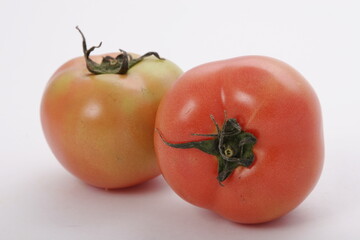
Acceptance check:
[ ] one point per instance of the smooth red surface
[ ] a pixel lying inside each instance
(100, 127)
(270, 100)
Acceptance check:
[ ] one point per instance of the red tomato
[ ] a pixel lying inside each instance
(100, 127)
(242, 137)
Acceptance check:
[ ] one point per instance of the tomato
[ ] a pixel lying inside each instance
(242, 137)
(100, 126)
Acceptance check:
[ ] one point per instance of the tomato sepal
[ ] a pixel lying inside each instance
(110, 65)
(232, 146)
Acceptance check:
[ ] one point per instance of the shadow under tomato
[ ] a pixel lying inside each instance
(292, 219)
(150, 186)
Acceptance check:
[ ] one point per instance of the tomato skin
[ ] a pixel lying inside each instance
(100, 127)
(270, 100)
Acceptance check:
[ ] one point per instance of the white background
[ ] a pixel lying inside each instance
(40, 200)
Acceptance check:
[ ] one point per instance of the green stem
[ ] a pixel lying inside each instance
(110, 65)
(232, 146)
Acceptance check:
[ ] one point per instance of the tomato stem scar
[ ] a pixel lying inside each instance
(110, 65)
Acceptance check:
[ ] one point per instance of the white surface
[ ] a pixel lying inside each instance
(40, 200)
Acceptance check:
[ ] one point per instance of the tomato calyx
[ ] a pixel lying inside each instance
(110, 65)
(232, 146)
